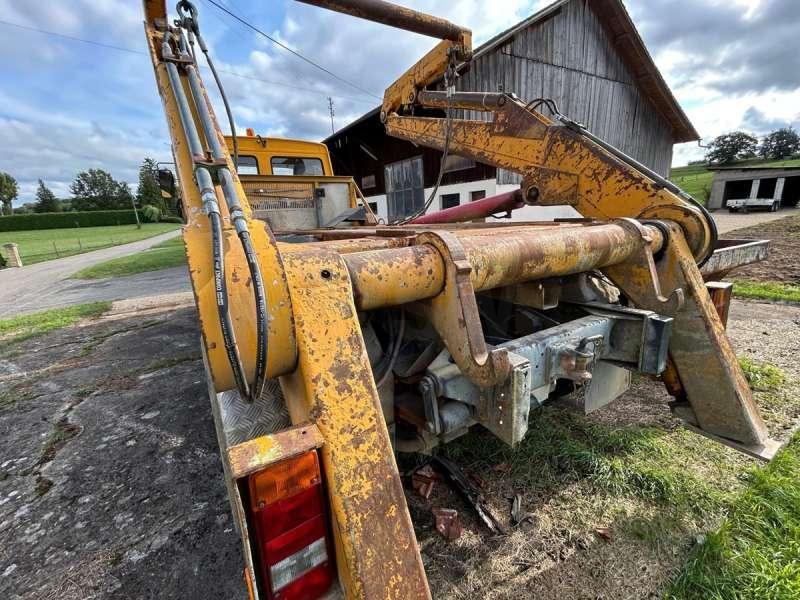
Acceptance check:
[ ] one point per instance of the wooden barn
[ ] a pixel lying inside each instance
(584, 54)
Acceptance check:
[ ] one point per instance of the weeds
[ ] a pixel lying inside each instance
(755, 554)
(562, 446)
(63, 431)
(762, 377)
(767, 290)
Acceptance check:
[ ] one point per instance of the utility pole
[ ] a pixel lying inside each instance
(135, 212)
(330, 108)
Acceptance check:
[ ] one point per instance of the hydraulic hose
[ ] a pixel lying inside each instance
(239, 222)
(211, 208)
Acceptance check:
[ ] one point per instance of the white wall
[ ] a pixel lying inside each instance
(526, 213)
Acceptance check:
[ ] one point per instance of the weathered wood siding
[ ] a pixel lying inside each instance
(569, 57)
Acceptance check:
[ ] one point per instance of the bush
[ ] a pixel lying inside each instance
(171, 219)
(64, 220)
(2, 261)
(150, 213)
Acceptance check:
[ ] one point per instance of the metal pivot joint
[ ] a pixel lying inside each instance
(454, 314)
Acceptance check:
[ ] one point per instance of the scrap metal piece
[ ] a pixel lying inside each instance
(423, 480)
(468, 492)
(516, 509)
(448, 523)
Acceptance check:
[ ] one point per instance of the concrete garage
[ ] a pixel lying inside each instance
(735, 183)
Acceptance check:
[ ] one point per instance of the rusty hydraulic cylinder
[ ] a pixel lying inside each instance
(474, 210)
(480, 101)
(397, 276)
(394, 16)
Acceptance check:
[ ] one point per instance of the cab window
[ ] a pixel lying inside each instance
(247, 165)
(296, 165)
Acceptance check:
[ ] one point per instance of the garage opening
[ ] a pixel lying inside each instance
(791, 191)
(736, 190)
(766, 187)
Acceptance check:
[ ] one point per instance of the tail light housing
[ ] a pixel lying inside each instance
(288, 512)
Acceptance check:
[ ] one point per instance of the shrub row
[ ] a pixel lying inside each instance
(62, 220)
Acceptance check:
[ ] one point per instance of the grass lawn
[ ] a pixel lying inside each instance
(24, 327)
(756, 552)
(47, 244)
(767, 290)
(696, 179)
(169, 253)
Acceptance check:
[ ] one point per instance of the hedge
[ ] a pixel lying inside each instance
(63, 220)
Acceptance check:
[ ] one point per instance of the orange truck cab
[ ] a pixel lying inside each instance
(291, 185)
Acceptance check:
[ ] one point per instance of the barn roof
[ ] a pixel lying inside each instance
(626, 40)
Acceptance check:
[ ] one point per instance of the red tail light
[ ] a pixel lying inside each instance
(288, 507)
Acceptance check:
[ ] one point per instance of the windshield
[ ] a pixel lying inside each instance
(295, 165)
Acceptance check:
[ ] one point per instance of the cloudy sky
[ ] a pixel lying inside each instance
(66, 105)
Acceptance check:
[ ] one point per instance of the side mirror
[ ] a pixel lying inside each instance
(166, 182)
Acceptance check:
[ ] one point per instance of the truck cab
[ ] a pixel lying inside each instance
(291, 185)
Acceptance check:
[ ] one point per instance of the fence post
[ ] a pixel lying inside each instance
(56, 249)
(12, 255)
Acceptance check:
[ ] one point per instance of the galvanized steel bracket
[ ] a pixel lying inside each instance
(454, 314)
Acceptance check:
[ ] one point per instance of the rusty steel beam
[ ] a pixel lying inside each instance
(390, 277)
(395, 16)
(376, 550)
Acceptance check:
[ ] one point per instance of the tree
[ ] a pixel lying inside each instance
(731, 146)
(8, 193)
(779, 144)
(96, 189)
(46, 200)
(148, 191)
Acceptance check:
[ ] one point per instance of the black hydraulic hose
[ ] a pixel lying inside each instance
(239, 221)
(658, 178)
(262, 321)
(211, 208)
(221, 293)
(222, 93)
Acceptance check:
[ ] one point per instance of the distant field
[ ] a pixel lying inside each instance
(696, 179)
(47, 244)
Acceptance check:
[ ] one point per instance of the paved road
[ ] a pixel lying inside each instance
(47, 284)
(729, 221)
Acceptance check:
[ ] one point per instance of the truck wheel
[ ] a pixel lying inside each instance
(731, 210)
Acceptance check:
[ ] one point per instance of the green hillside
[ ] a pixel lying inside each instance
(696, 179)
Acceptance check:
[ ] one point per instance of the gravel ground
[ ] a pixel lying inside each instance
(727, 222)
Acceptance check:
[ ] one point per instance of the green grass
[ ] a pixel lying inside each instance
(767, 290)
(755, 554)
(762, 377)
(25, 327)
(47, 244)
(642, 462)
(169, 253)
(696, 179)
